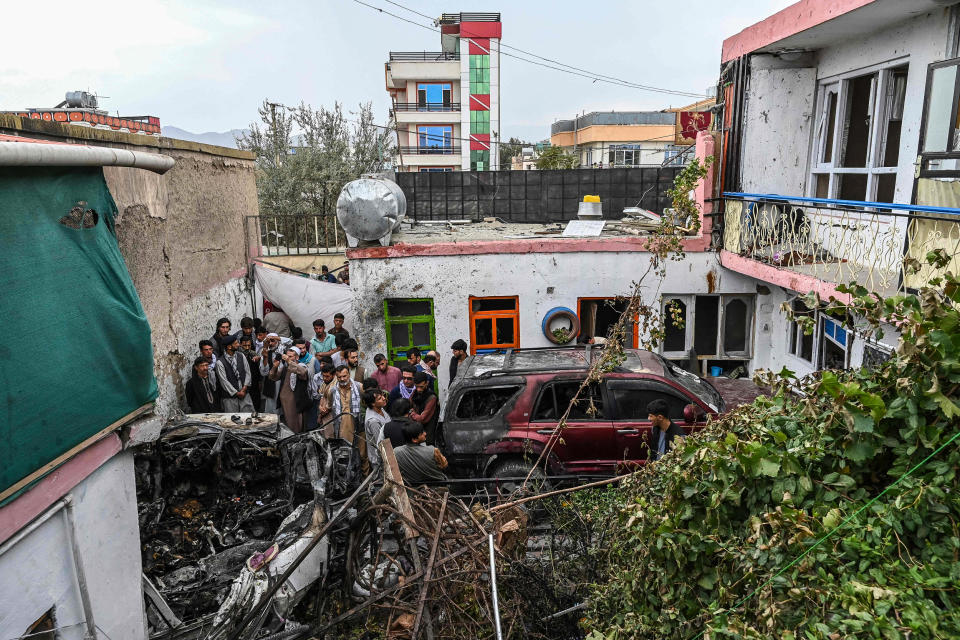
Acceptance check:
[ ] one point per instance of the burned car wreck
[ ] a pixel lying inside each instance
(225, 507)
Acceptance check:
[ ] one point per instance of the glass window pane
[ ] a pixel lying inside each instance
(484, 331)
(735, 326)
(421, 334)
(399, 335)
(494, 304)
(674, 314)
(504, 330)
(830, 124)
(943, 83)
(401, 308)
(632, 403)
(856, 131)
(852, 186)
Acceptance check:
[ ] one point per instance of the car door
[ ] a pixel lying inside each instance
(628, 401)
(586, 444)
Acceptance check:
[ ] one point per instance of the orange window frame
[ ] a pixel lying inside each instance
(636, 319)
(493, 316)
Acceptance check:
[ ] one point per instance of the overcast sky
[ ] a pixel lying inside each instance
(207, 66)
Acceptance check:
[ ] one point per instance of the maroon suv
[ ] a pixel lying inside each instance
(503, 407)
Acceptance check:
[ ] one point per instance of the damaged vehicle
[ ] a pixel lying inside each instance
(503, 409)
(229, 507)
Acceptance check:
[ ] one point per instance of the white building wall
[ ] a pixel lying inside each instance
(778, 120)
(37, 572)
(541, 280)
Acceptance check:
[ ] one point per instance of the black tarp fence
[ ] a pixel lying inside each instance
(533, 196)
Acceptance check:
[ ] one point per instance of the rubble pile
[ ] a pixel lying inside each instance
(249, 531)
(209, 497)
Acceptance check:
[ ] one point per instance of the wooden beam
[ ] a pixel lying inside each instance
(399, 497)
(56, 462)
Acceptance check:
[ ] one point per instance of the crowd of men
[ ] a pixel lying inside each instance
(319, 383)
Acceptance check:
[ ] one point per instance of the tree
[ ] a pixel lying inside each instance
(304, 173)
(556, 158)
(508, 150)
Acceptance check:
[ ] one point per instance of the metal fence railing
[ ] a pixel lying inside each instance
(423, 56)
(290, 235)
(533, 196)
(431, 151)
(426, 106)
(842, 241)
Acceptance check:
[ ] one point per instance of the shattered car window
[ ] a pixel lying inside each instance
(484, 403)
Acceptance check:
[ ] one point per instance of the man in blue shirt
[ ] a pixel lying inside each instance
(322, 343)
(663, 430)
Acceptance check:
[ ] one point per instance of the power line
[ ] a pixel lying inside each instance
(576, 71)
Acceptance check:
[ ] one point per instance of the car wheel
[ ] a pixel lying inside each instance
(509, 479)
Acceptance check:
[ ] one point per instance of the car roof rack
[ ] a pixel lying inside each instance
(506, 370)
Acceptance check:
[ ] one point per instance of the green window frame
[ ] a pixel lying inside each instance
(402, 328)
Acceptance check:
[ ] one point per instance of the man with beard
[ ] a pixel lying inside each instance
(201, 389)
(424, 402)
(294, 394)
(253, 359)
(233, 377)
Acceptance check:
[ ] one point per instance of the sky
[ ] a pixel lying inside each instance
(206, 66)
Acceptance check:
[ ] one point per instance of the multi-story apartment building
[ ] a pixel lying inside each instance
(840, 159)
(446, 104)
(610, 139)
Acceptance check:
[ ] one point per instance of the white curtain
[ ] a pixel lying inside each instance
(304, 299)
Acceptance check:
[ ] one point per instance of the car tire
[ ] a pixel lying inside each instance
(513, 471)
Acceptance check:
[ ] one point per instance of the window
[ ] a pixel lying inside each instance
(827, 347)
(857, 135)
(625, 155)
(409, 323)
(632, 397)
(555, 397)
(494, 324)
(435, 169)
(479, 160)
(480, 74)
(433, 97)
(484, 403)
(479, 122)
(716, 327)
(801, 344)
(599, 315)
(435, 137)
(940, 141)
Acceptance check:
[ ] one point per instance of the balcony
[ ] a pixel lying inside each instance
(426, 106)
(423, 56)
(430, 151)
(808, 244)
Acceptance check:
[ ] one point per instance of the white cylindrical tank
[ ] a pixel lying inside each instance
(371, 209)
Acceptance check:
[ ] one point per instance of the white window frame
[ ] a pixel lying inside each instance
(879, 112)
(690, 300)
(820, 335)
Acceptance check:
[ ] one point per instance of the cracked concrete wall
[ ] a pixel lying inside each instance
(777, 130)
(182, 236)
(540, 280)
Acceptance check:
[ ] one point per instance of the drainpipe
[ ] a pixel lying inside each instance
(41, 154)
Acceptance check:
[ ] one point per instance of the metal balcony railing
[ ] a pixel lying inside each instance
(291, 235)
(881, 246)
(423, 56)
(463, 16)
(426, 106)
(431, 151)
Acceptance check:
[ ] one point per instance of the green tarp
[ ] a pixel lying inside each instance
(75, 351)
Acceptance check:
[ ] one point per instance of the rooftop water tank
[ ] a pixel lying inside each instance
(370, 209)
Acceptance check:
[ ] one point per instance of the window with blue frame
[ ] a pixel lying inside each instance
(437, 137)
(435, 169)
(433, 97)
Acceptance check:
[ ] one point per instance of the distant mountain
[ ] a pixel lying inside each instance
(224, 139)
